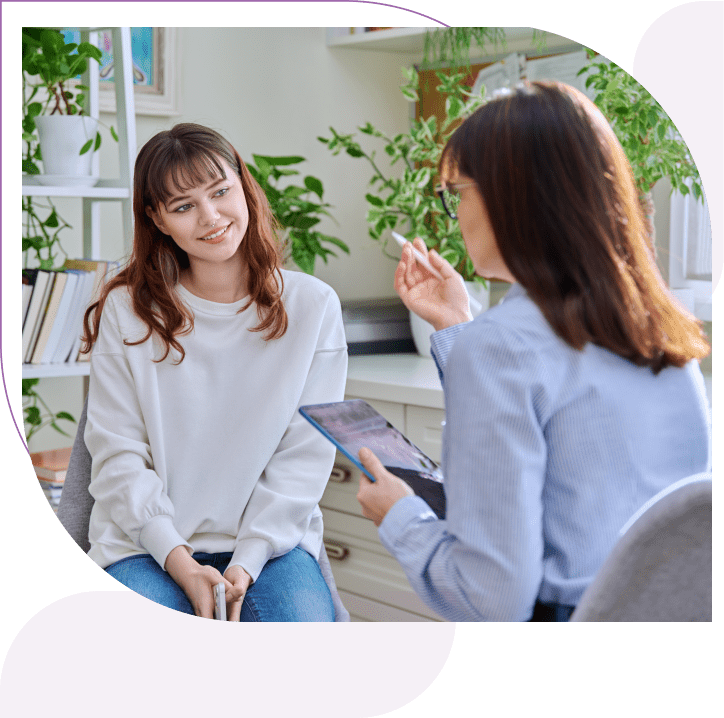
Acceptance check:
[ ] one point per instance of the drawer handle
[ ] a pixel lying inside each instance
(340, 474)
(336, 551)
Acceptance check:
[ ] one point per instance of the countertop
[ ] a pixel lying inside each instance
(399, 378)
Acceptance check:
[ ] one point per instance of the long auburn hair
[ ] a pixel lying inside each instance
(569, 225)
(180, 158)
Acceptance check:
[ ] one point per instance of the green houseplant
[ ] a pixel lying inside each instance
(647, 134)
(297, 208)
(408, 203)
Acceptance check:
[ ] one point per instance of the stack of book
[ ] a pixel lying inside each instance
(54, 303)
(50, 468)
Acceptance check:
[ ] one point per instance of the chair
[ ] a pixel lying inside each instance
(76, 503)
(661, 568)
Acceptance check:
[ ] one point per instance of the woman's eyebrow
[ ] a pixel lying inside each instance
(209, 186)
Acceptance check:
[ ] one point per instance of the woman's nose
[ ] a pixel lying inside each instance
(208, 214)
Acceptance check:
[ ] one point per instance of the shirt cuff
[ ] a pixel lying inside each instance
(159, 537)
(251, 554)
(397, 519)
(441, 343)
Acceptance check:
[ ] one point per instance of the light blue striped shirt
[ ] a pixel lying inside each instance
(547, 452)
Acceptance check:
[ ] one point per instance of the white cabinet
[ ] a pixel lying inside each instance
(371, 583)
(117, 190)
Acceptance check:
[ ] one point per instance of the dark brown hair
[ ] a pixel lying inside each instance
(181, 158)
(569, 225)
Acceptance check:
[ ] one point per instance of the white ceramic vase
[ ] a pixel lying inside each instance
(61, 140)
(421, 330)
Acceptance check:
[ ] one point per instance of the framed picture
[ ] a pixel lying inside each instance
(155, 58)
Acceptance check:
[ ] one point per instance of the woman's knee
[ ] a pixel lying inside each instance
(290, 588)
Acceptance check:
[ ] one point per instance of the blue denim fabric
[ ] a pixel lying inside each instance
(290, 588)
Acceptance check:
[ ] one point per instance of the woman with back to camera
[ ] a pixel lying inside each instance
(203, 350)
(568, 405)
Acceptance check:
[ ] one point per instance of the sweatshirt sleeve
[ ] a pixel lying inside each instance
(123, 480)
(277, 515)
(484, 562)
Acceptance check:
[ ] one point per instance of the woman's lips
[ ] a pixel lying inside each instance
(215, 236)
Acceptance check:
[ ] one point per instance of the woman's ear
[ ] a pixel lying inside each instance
(156, 219)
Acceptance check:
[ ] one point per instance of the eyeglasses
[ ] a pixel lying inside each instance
(450, 197)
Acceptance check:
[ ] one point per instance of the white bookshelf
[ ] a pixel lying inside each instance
(411, 40)
(116, 190)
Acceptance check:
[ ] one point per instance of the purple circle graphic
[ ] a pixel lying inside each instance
(118, 654)
(687, 80)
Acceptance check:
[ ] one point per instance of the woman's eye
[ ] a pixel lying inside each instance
(183, 208)
(222, 192)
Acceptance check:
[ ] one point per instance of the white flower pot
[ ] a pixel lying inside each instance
(421, 330)
(61, 139)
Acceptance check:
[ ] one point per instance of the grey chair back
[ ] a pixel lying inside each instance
(76, 503)
(661, 567)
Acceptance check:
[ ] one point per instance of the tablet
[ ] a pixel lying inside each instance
(352, 424)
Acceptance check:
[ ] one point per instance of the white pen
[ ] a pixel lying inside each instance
(418, 256)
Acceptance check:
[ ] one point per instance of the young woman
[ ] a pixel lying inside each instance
(203, 350)
(568, 405)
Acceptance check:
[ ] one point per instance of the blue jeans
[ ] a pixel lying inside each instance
(289, 588)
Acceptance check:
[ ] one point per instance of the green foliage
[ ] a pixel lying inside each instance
(649, 138)
(410, 198)
(452, 46)
(36, 414)
(298, 209)
(49, 64)
(40, 235)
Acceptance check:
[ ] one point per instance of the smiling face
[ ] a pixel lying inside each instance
(477, 230)
(208, 221)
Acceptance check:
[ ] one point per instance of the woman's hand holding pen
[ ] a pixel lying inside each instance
(198, 581)
(441, 303)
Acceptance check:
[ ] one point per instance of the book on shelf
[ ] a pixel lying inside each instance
(52, 464)
(61, 317)
(51, 467)
(103, 271)
(53, 322)
(73, 325)
(27, 293)
(51, 312)
(36, 310)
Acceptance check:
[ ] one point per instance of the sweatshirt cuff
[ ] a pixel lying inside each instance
(397, 519)
(251, 554)
(159, 537)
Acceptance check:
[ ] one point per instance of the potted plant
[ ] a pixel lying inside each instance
(408, 203)
(65, 132)
(298, 210)
(649, 138)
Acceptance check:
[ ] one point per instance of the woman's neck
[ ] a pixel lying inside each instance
(222, 283)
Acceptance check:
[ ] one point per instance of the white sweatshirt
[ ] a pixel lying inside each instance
(212, 453)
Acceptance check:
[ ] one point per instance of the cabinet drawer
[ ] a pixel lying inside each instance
(365, 569)
(424, 428)
(341, 491)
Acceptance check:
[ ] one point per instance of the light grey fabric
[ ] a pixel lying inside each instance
(76, 504)
(660, 569)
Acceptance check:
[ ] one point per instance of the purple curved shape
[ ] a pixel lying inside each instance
(661, 73)
(117, 654)
(399, 7)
